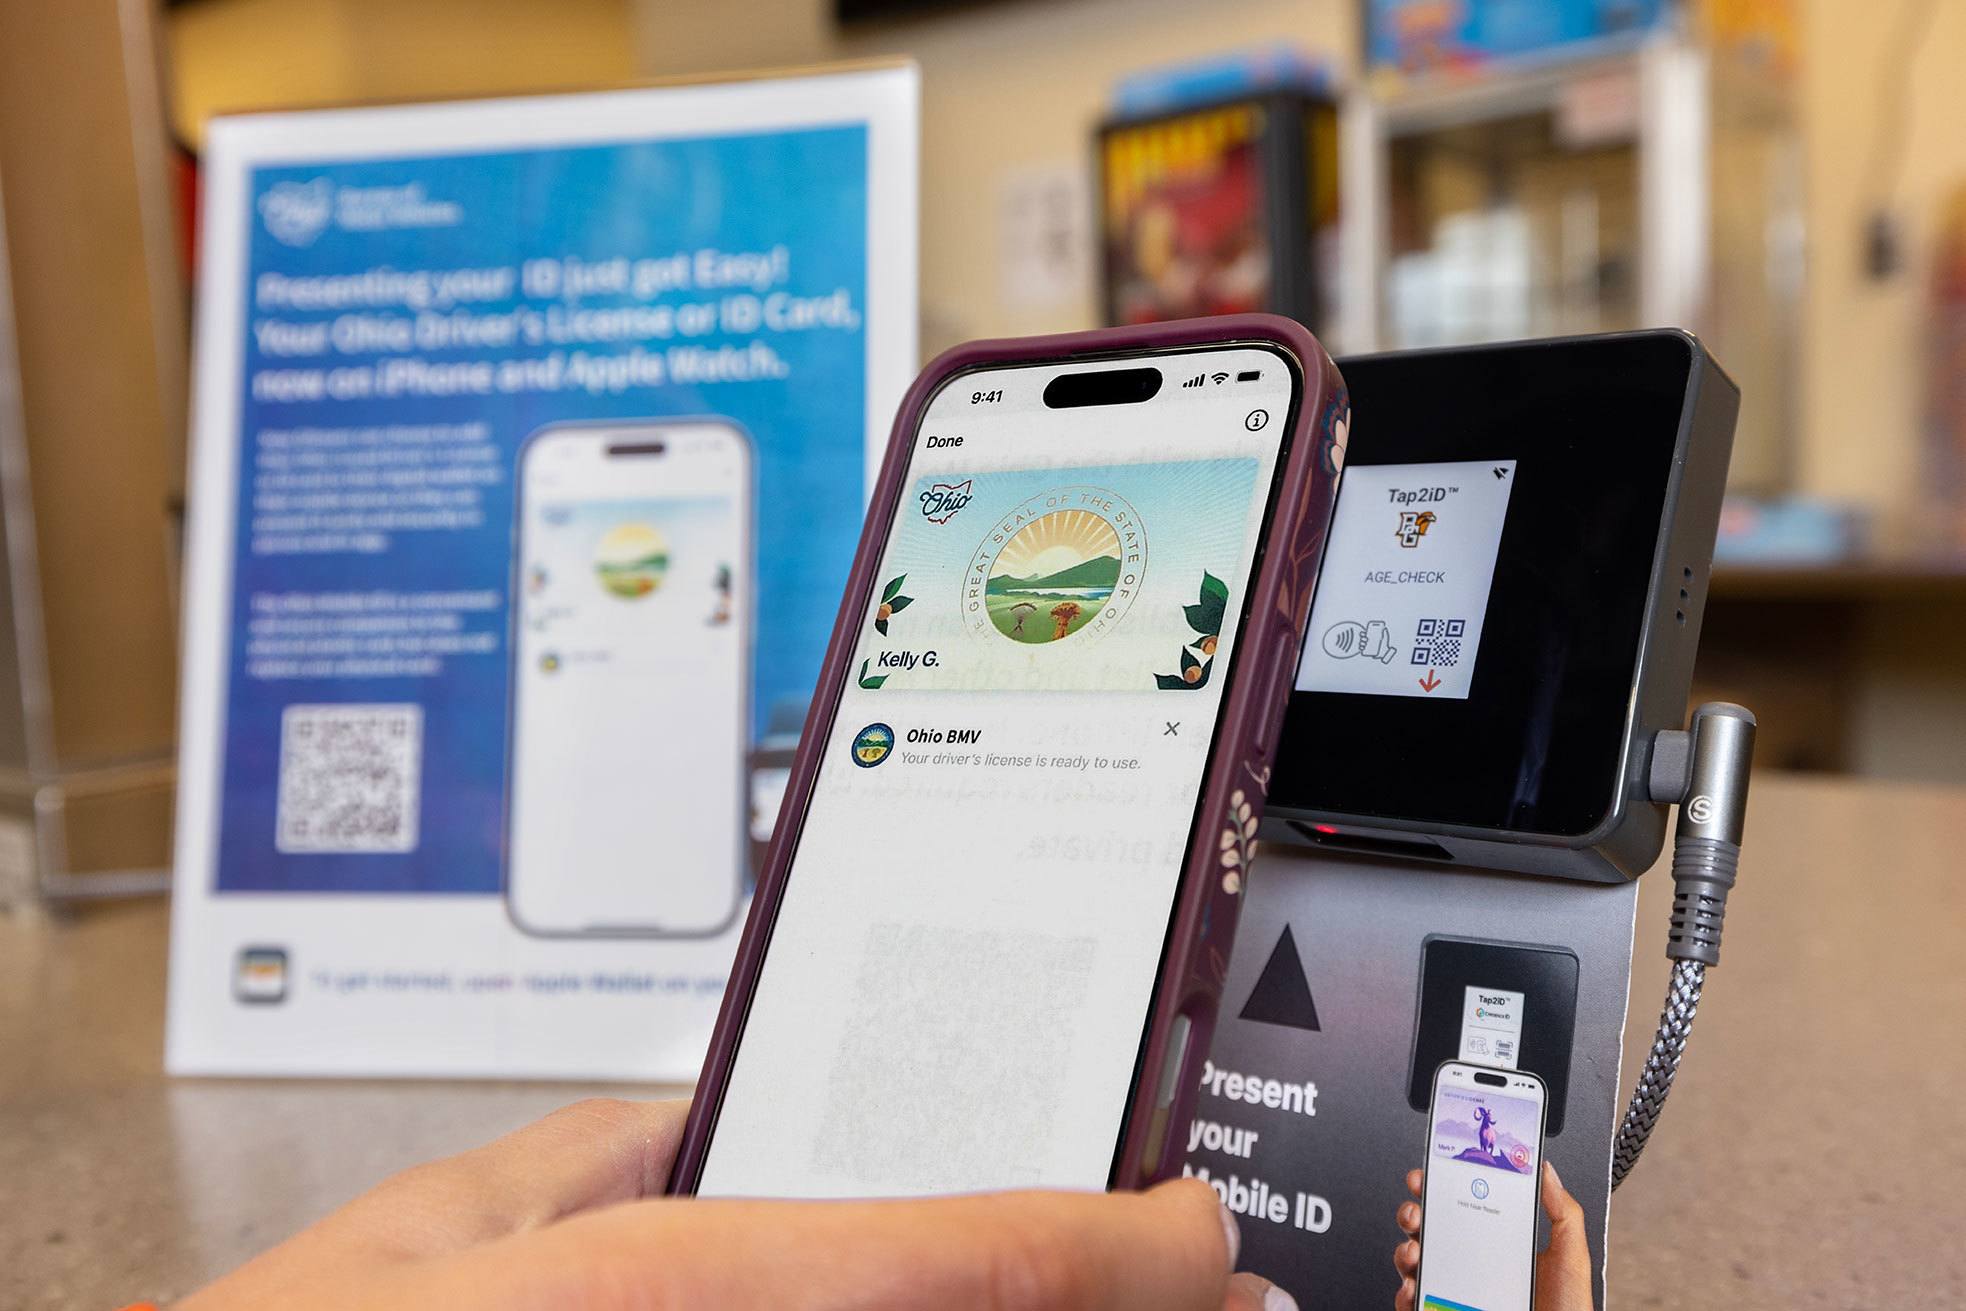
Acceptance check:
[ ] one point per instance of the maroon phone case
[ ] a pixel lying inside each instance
(1262, 668)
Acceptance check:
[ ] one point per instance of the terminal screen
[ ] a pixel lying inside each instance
(1404, 587)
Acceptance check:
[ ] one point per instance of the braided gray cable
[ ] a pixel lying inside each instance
(1649, 1098)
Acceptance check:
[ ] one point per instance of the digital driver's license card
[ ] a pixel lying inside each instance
(1486, 1128)
(1491, 1027)
(1109, 578)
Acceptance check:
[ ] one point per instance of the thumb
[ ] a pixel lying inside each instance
(1563, 1272)
(1163, 1250)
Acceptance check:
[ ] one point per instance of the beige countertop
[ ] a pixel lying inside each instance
(1810, 1156)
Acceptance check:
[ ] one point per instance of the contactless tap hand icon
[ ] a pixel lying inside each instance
(1349, 638)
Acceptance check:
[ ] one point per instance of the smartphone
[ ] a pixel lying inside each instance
(626, 806)
(1483, 1178)
(988, 941)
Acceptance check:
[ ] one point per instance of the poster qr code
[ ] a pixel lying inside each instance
(351, 778)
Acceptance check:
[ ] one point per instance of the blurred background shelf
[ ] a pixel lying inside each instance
(1858, 667)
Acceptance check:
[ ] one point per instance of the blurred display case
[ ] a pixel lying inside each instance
(1654, 182)
(1220, 208)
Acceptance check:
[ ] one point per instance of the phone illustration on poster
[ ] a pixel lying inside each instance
(533, 442)
(630, 657)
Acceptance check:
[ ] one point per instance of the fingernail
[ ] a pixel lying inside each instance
(1277, 1300)
(1551, 1167)
(1234, 1235)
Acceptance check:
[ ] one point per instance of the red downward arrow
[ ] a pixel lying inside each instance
(1429, 683)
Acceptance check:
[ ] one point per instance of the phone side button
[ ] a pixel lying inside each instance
(1178, 1035)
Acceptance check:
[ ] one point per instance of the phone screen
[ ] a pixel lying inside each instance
(957, 983)
(631, 657)
(1484, 1162)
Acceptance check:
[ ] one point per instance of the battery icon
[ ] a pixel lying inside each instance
(1249, 375)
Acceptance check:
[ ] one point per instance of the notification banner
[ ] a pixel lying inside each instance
(532, 443)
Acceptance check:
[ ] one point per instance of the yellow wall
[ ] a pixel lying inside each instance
(1863, 340)
(278, 54)
(1017, 85)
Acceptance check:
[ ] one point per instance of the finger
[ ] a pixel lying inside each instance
(590, 1154)
(1403, 1299)
(1249, 1292)
(1563, 1272)
(1407, 1217)
(1406, 1259)
(1163, 1250)
(1415, 1180)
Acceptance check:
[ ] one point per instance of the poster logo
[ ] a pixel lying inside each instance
(942, 500)
(296, 212)
(872, 745)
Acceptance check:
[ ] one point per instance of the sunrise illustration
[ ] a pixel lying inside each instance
(1054, 576)
(631, 559)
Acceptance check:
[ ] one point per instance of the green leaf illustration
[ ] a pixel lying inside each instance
(892, 603)
(1180, 682)
(870, 683)
(1205, 615)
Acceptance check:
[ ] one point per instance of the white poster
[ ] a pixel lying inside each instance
(532, 441)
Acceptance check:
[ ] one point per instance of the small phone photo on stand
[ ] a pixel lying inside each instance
(1479, 1200)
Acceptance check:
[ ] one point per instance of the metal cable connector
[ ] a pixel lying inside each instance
(1705, 771)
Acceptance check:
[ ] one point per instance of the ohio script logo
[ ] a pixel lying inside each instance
(942, 500)
(296, 212)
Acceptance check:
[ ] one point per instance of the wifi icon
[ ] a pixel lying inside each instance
(1218, 378)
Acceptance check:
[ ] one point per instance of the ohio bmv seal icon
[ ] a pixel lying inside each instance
(872, 745)
(1058, 565)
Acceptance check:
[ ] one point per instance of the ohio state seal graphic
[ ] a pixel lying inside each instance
(1062, 563)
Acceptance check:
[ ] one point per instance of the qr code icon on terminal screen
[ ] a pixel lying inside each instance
(1437, 642)
(351, 778)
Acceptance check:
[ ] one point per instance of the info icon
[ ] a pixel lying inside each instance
(872, 745)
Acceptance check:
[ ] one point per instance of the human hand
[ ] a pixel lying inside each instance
(567, 1213)
(1563, 1271)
